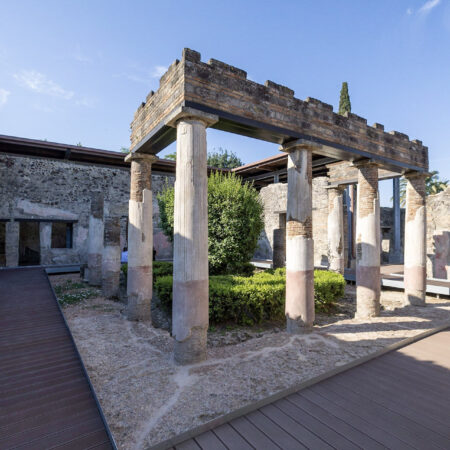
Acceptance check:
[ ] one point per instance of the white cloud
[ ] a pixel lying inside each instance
(38, 82)
(409, 11)
(159, 71)
(428, 6)
(4, 94)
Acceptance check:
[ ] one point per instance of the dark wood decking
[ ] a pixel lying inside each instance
(400, 400)
(46, 400)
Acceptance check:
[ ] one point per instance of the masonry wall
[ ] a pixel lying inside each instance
(274, 198)
(438, 235)
(50, 190)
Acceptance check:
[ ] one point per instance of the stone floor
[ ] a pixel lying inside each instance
(147, 398)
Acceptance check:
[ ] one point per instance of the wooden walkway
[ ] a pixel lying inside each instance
(46, 400)
(400, 400)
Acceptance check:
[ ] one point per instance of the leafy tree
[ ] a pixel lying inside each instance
(124, 149)
(79, 144)
(172, 156)
(235, 221)
(433, 185)
(344, 100)
(223, 159)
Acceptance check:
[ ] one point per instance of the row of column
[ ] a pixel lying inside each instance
(368, 239)
(190, 274)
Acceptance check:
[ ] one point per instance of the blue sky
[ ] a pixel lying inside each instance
(76, 71)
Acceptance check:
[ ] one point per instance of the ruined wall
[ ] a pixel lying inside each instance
(274, 198)
(438, 235)
(43, 188)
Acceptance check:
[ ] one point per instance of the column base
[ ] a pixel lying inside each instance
(139, 292)
(414, 298)
(193, 349)
(368, 288)
(95, 269)
(297, 326)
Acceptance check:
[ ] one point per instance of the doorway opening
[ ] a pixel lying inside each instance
(29, 244)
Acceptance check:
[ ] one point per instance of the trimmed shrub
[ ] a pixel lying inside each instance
(261, 297)
(235, 221)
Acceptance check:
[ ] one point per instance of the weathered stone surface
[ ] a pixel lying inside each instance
(368, 243)
(415, 240)
(111, 258)
(299, 242)
(336, 246)
(44, 188)
(438, 235)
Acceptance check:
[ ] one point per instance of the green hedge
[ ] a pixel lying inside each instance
(250, 300)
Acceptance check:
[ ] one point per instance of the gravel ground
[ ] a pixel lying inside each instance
(147, 398)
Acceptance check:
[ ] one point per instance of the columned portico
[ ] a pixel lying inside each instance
(299, 239)
(95, 239)
(140, 237)
(336, 245)
(190, 315)
(415, 240)
(367, 242)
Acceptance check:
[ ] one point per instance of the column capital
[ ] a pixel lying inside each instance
(364, 162)
(337, 187)
(187, 113)
(141, 157)
(416, 174)
(299, 144)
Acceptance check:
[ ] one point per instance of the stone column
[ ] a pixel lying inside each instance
(95, 239)
(415, 240)
(12, 243)
(111, 258)
(190, 261)
(336, 247)
(397, 253)
(299, 239)
(45, 235)
(367, 242)
(140, 237)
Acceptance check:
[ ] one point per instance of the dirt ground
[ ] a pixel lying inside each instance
(147, 398)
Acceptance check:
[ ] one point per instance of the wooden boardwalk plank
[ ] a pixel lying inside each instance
(46, 400)
(398, 400)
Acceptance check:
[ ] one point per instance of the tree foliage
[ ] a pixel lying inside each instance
(344, 100)
(433, 185)
(223, 159)
(220, 158)
(235, 221)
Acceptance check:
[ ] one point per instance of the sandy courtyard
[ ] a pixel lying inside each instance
(147, 398)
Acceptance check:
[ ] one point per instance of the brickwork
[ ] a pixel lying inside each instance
(141, 168)
(368, 189)
(222, 87)
(415, 194)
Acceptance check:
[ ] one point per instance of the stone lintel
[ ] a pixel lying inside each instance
(300, 144)
(141, 156)
(186, 113)
(416, 174)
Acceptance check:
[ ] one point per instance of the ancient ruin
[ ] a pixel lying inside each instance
(194, 95)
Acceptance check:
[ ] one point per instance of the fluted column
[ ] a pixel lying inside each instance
(140, 237)
(415, 240)
(95, 239)
(190, 316)
(336, 256)
(299, 240)
(367, 242)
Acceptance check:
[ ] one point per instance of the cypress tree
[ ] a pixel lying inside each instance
(344, 101)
